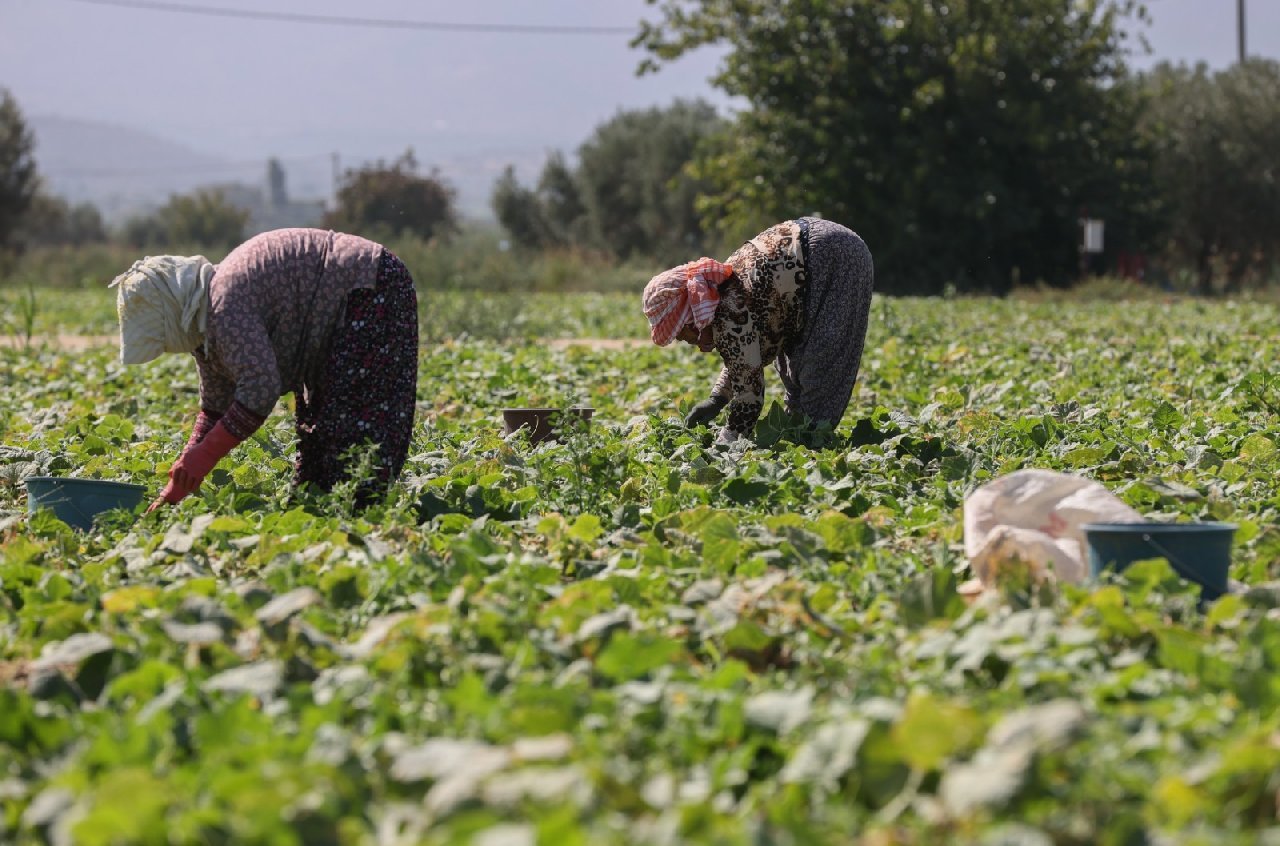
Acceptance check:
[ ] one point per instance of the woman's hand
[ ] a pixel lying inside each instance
(185, 477)
(189, 471)
(705, 411)
(704, 340)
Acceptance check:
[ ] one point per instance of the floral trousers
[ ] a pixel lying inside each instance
(366, 405)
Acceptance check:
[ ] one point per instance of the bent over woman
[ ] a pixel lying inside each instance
(797, 295)
(328, 316)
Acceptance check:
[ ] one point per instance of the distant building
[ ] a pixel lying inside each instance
(269, 206)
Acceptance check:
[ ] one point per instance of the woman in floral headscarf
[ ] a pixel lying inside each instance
(798, 295)
(331, 317)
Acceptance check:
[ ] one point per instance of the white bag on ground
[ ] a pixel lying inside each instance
(1035, 516)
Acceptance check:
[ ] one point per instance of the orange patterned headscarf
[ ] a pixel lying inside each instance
(688, 293)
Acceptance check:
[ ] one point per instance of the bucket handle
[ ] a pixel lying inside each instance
(1181, 568)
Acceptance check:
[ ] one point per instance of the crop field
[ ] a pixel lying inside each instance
(636, 636)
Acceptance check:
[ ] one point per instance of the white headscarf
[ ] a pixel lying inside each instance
(163, 306)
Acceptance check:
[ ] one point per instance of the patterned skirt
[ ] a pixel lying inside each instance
(364, 412)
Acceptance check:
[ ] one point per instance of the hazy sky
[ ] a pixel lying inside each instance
(247, 89)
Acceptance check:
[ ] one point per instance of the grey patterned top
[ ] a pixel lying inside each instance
(274, 303)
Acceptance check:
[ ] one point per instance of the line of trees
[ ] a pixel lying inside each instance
(387, 200)
(381, 200)
(964, 139)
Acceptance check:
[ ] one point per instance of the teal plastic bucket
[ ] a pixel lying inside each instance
(1198, 552)
(77, 501)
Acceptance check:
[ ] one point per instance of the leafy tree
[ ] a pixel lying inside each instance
(395, 200)
(552, 215)
(1215, 137)
(85, 225)
(18, 181)
(51, 220)
(519, 211)
(203, 217)
(960, 138)
(561, 199)
(636, 189)
(144, 230)
(631, 194)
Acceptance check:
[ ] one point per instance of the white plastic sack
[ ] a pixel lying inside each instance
(1035, 516)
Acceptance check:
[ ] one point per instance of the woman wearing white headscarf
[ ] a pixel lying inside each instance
(329, 316)
(797, 295)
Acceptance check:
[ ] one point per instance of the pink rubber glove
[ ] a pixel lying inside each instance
(189, 471)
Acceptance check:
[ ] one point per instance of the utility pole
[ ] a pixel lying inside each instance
(1240, 27)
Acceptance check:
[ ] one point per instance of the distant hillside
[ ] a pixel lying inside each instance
(126, 171)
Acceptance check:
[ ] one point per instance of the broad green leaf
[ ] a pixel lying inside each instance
(931, 731)
(586, 528)
(229, 523)
(720, 543)
(1085, 456)
(1257, 449)
(1167, 417)
(634, 656)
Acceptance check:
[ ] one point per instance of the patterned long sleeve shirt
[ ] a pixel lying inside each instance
(761, 313)
(274, 303)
